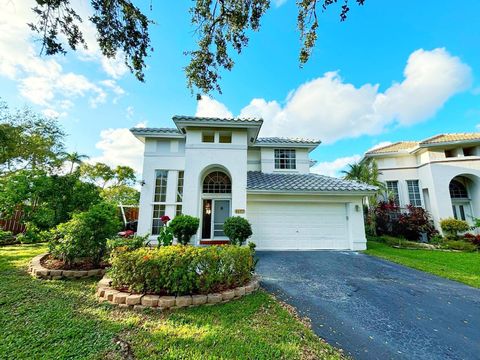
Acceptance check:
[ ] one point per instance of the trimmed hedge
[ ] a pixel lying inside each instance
(182, 270)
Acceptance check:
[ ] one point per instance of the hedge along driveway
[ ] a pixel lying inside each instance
(62, 319)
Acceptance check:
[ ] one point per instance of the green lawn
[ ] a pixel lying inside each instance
(62, 319)
(459, 266)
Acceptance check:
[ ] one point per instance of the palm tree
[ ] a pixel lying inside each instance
(74, 158)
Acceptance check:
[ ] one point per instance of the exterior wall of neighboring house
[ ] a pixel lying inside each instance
(434, 171)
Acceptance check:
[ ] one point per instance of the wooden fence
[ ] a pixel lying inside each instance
(14, 223)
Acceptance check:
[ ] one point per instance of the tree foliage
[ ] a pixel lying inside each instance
(29, 141)
(104, 176)
(365, 171)
(221, 28)
(121, 194)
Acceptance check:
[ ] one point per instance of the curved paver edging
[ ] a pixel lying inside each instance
(141, 301)
(37, 270)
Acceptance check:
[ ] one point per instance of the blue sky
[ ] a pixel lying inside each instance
(402, 71)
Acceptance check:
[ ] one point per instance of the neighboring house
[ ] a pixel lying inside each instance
(214, 168)
(440, 174)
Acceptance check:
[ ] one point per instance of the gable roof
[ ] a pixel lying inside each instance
(267, 182)
(400, 146)
(448, 138)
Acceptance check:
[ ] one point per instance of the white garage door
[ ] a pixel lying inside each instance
(298, 225)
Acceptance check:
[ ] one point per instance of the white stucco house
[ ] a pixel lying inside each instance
(440, 174)
(213, 168)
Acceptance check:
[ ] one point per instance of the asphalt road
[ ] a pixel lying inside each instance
(375, 309)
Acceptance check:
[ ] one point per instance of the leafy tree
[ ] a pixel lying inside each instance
(365, 171)
(121, 194)
(221, 27)
(103, 175)
(29, 140)
(74, 158)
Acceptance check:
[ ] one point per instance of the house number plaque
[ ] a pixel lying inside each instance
(239, 211)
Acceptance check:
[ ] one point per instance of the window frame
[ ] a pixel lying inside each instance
(208, 134)
(180, 184)
(394, 190)
(283, 159)
(157, 224)
(227, 134)
(414, 194)
(161, 183)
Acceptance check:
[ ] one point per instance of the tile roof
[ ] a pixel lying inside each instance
(443, 138)
(215, 119)
(257, 180)
(283, 140)
(138, 130)
(395, 147)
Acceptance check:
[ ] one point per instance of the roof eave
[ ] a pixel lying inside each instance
(310, 146)
(448, 143)
(312, 192)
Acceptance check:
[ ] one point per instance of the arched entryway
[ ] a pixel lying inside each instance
(461, 189)
(216, 204)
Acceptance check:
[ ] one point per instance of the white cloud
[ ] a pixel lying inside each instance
(119, 147)
(331, 109)
(279, 3)
(334, 168)
(130, 111)
(41, 80)
(210, 107)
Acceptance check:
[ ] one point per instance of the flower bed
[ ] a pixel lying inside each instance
(182, 270)
(37, 270)
(106, 292)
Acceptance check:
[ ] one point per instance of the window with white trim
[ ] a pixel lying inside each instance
(414, 193)
(158, 212)
(160, 186)
(392, 187)
(285, 159)
(178, 210)
(180, 186)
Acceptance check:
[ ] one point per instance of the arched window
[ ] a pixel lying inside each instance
(217, 182)
(458, 190)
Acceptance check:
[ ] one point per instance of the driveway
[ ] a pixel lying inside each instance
(375, 309)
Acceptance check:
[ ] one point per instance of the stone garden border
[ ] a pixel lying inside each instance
(142, 301)
(37, 270)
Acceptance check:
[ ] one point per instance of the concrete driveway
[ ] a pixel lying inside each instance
(375, 309)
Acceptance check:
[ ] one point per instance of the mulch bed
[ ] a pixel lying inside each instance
(54, 264)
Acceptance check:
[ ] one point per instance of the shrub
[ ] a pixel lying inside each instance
(165, 237)
(474, 239)
(453, 226)
(181, 270)
(436, 239)
(238, 229)
(85, 235)
(184, 227)
(31, 235)
(122, 244)
(459, 245)
(7, 238)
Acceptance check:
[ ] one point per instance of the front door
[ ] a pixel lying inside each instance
(221, 211)
(462, 211)
(215, 211)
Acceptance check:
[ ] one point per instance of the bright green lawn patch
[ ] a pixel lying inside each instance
(62, 319)
(459, 266)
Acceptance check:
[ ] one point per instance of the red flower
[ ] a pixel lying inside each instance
(165, 219)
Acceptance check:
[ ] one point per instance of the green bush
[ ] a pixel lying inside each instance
(453, 226)
(181, 270)
(121, 244)
(7, 238)
(184, 227)
(31, 235)
(459, 245)
(85, 235)
(437, 239)
(238, 229)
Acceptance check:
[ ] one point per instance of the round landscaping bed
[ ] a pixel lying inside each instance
(44, 267)
(178, 276)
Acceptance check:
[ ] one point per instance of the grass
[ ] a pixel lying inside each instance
(460, 266)
(62, 319)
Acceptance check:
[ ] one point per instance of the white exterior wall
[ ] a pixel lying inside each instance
(160, 154)
(268, 162)
(201, 158)
(434, 173)
(352, 203)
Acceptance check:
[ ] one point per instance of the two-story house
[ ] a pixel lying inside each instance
(214, 168)
(440, 174)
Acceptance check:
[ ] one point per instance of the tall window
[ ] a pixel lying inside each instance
(285, 159)
(392, 187)
(160, 186)
(180, 186)
(414, 193)
(158, 212)
(217, 182)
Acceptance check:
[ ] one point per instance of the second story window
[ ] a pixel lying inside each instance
(208, 137)
(180, 186)
(414, 193)
(392, 188)
(285, 159)
(160, 186)
(225, 137)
